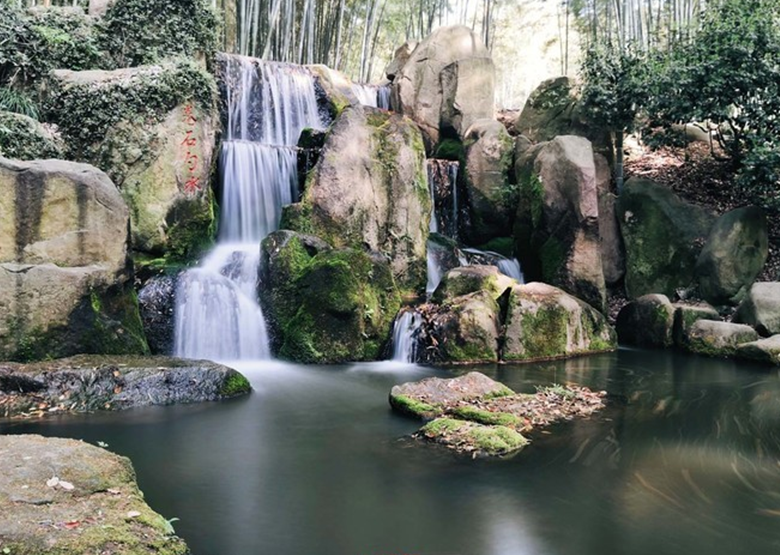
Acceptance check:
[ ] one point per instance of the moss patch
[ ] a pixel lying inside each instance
(474, 438)
(235, 384)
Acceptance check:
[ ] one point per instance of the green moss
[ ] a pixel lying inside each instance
(553, 258)
(23, 138)
(544, 334)
(235, 384)
(486, 417)
(408, 405)
(450, 149)
(497, 440)
(502, 245)
(192, 229)
(471, 437)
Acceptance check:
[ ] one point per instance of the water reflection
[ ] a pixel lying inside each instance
(685, 460)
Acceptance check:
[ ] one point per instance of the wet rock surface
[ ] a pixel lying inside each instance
(88, 383)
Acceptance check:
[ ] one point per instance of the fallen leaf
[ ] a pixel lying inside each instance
(72, 524)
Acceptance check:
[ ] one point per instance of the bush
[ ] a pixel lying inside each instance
(24, 138)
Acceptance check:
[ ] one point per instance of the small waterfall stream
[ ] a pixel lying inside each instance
(217, 313)
(405, 330)
(377, 96)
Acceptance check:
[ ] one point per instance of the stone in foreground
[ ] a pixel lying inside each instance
(764, 350)
(647, 322)
(67, 497)
(761, 308)
(87, 383)
(476, 415)
(718, 339)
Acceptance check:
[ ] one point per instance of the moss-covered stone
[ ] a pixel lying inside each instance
(470, 279)
(23, 138)
(686, 315)
(647, 322)
(471, 437)
(467, 329)
(718, 339)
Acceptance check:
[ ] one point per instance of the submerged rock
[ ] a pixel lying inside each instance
(68, 497)
(65, 284)
(476, 415)
(87, 383)
(663, 237)
(718, 339)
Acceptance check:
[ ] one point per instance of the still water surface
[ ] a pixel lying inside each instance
(686, 460)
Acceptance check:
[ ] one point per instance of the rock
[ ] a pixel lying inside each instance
(544, 322)
(466, 329)
(550, 111)
(470, 279)
(152, 129)
(733, 256)
(98, 8)
(663, 237)
(764, 350)
(326, 305)
(400, 57)
(24, 138)
(476, 415)
(335, 89)
(613, 259)
(718, 339)
(369, 191)
(446, 84)
(65, 283)
(88, 382)
(92, 517)
(761, 308)
(686, 315)
(557, 224)
(489, 151)
(157, 302)
(647, 322)
(430, 397)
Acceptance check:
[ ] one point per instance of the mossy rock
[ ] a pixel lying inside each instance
(467, 329)
(23, 138)
(686, 315)
(765, 350)
(647, 322)
(471, 437)
(94, 489)
(470, 279)
(718, 339)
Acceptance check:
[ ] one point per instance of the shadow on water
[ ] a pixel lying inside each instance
(686, 459)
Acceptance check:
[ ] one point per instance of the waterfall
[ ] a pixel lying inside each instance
(372, 95)
(511, 267)
(443, 183)
(507, 266)
(405, 330)
(217, 313)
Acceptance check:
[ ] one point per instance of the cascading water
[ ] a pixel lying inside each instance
(372, 95)
(407, 326)
(442, 184)
(268, 105)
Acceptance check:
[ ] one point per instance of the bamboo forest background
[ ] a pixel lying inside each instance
(530, 40)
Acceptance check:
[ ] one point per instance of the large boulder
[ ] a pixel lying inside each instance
(489, 151)
(613, 259)
(647, 322)
(68, 497)
(761, 308)
(334, 87)
(446, 84)
(400, 57)
(718, 339)
(557, 224)
(544, 322)
(65, 284)
(152, 129)
(326, 305)
(765, 350)
(733, 256)
(369, 191)
(470, 279)
(663, 237)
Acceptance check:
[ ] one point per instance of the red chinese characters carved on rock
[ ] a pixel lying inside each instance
(191, 159)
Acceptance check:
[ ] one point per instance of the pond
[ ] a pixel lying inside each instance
(685, 460)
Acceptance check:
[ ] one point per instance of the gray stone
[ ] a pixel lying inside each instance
(470, 279)
(761, 308)
(647, 322)
(764, 350)
(613, 259)
(686, 315)
(718, 339)
(733, 256)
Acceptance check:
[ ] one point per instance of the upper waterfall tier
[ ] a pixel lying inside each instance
(269, 102)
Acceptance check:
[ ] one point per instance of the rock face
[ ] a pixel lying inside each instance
(613, 259)
(489, 150)
(718, 339)
(326, 305)
(446, 84)
(476, 415)
(369, 191)
(761, 308)
(24, 138)
(733, 256)
(161, 162)
(64, 273)
(663, 237)
(647, 322)
(557, 224)
(336, 88)
(88, 382)
(400, 57)
(94, 491)
(470, 279)
(157, 301)
(468, 329)
(544, 322)
(550, 111)
(686, 315)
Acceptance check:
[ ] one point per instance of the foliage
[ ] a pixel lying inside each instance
(138, 32)
(24, 138)
(18, 102)
(86, 112)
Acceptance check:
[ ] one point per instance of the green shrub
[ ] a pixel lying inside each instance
(24, 138)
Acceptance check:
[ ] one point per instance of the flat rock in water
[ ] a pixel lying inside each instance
(476, 415)
(764, 350)
(70, 498)
(88, 382)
